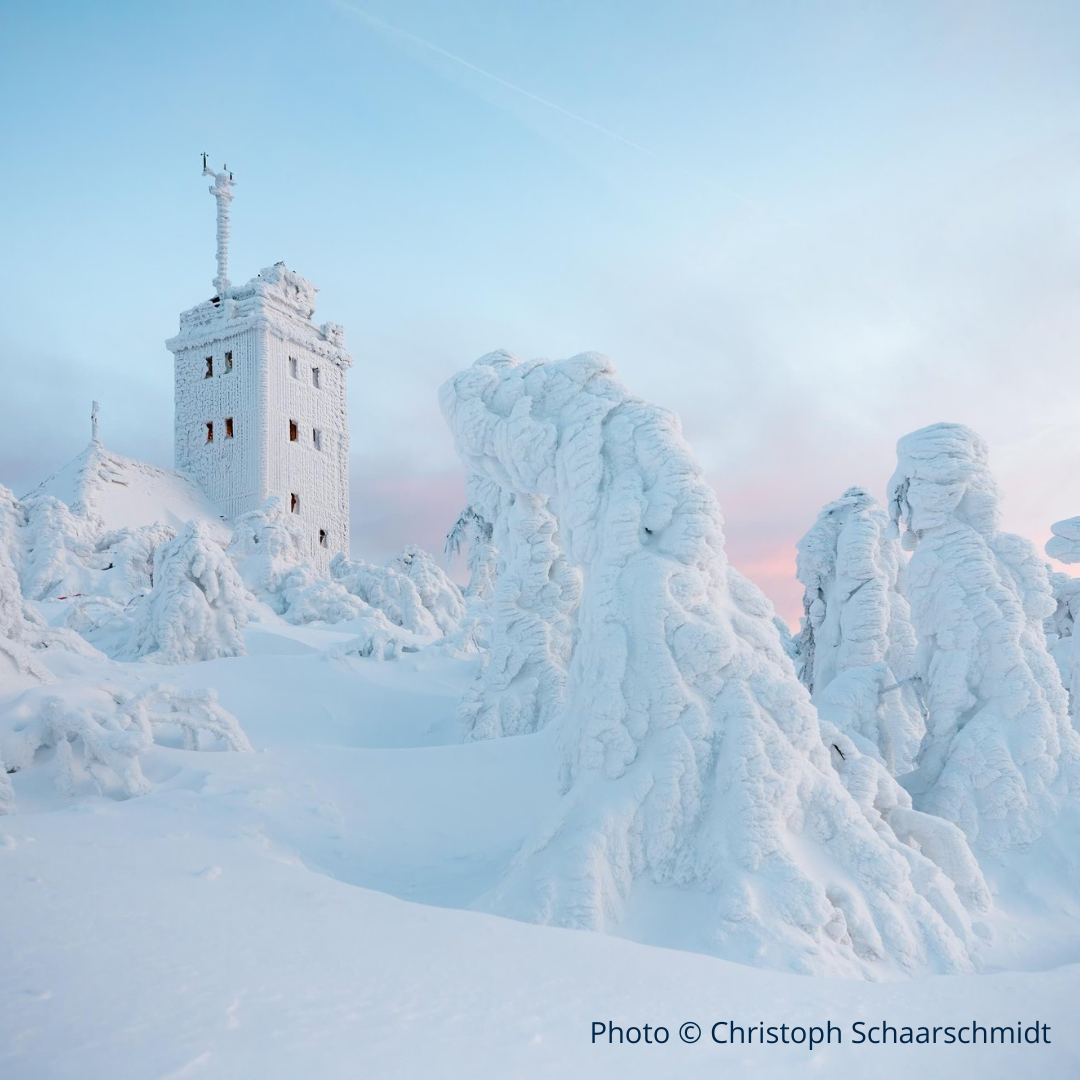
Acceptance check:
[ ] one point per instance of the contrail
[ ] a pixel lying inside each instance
(432, 47)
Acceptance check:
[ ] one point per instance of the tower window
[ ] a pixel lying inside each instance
(209, 368)
(323, 538)
(228, 362)
(294, 433)
(294, 503)
(316, 438)
(209, 430)
(228, 427)
(315, 378)
(292, 367)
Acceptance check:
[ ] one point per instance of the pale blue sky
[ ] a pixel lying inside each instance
(807, 227)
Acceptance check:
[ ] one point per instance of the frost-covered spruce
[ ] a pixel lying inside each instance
(523, 673)
(692, 754)
(411, 590)
(472, 531)
(59, 546)
(197, 607)
(101, 735)
(1061, 632)
(856, 648)
(268, 548)
(1064, 639)
(1000, 755)
(21, 628)
(437, 592)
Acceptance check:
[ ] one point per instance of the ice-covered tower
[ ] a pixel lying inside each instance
(260, 396)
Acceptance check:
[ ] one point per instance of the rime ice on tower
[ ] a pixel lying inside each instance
(260, 397)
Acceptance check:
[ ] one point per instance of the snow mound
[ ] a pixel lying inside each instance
(856, 648)
(691, 753)
(1000, 756)
(117, 492)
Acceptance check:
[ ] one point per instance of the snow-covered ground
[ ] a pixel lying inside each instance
(261, 821)
(295, 912)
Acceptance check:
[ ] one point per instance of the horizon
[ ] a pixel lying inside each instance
(797, 282)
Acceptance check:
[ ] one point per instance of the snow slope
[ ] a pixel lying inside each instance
(173, 904)
(122, 493)
(227, 924)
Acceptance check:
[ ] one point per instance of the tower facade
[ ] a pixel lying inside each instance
(260, 398)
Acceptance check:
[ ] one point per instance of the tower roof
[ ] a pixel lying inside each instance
(278, 299)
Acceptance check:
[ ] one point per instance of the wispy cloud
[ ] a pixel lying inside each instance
(430, 46)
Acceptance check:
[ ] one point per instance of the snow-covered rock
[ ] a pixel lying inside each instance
(856, 648)
(1000, 755)
(691, 753)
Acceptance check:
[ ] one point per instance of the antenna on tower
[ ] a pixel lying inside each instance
(222, 192)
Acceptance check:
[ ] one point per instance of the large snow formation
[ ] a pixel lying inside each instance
(1000, 755)
(856, 648)
(691, 753)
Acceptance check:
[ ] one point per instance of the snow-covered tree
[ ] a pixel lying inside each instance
(438, 594)
(21, 628)
(105, 734)
(267, 548)
(530, 631)
(412, 591)
(59, 549)
(856, 648)
(1000, 754)
(403, 590)
(691, 753)
(472, 531)
(197, 607)
(1061, 632)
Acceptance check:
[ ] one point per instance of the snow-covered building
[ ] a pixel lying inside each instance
(261, 407)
